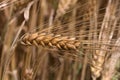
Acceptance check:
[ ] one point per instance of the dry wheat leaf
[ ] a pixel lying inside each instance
(27, 11)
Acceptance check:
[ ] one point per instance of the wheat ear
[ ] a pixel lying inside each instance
(50, 40)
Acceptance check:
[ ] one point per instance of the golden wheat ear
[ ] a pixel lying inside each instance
(50, 40)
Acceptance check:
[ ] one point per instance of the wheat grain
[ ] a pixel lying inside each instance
(50, 40)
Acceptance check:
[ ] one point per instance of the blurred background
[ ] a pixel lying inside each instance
(94, 22)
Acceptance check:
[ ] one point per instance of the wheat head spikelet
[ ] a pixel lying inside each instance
(50, 40)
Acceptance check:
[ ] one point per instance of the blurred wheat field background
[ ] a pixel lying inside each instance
(60, 40)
